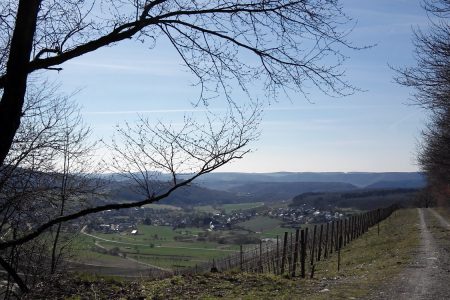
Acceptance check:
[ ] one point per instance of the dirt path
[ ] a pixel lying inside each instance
(428, 275)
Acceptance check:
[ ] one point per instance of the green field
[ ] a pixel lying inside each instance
(166, 248)
(228, 208)
(162, 206)
(265, 227)
(241, 206)
(207, 209)
(160, 246)
(260, 224)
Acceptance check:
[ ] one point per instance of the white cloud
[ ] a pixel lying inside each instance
(160, 68)
(151, 111)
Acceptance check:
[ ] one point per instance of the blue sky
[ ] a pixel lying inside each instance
(375, 130)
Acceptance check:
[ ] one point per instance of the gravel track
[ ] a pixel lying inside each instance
(428, 275)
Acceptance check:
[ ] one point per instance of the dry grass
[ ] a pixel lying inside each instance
(366, 263)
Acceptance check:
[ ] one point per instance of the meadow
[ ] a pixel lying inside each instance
(166, 248)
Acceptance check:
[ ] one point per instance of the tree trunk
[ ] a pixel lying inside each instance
(17, 73)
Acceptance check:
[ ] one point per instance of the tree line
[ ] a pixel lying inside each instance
(430, 80)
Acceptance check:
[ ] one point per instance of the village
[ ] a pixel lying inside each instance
(126, 221)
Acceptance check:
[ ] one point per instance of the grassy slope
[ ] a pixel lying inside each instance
(370, 260)
(444, 211)
(366, 263)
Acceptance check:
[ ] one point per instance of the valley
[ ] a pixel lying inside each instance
(184, 234)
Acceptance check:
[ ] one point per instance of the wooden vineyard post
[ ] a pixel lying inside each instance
(367, 221)
(214, 268)
(277, 257)
(294, 266)
(360, 225)
(306, 241)
(255, 260)
(346, 229)
(363, 223)
(331, 237)
(241, 258)
(260, 257)
(353, 228)
(325, 253)
(319, 250)
(306, 236)
(336, 240)
(267, 259)
(313, 246)
(302, 253)
(357, 226)
(275, 263)
(290, 257)
(349, 232)
(339, 252)
(283, 259)
(378, 223)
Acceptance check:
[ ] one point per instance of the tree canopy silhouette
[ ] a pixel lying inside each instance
(430, 79)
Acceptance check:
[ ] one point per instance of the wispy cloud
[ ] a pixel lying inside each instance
(152, 111)
(342, 106)
(271, 109)
(405, 118)
(161, 68)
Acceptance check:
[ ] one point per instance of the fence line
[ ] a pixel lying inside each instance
(290, 260)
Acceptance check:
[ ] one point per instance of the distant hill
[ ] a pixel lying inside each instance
(275, 191)
(249, 192)
(219, 188)
(226, 181)
(363, 199)
(188, 195)
(397, 184)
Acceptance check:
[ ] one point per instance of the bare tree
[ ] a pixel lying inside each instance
(430, 79)
(292, 44)
(61, 181)
(75, 174)
(45, 174)
(145, 150)
(434, 155)
(287, 39)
